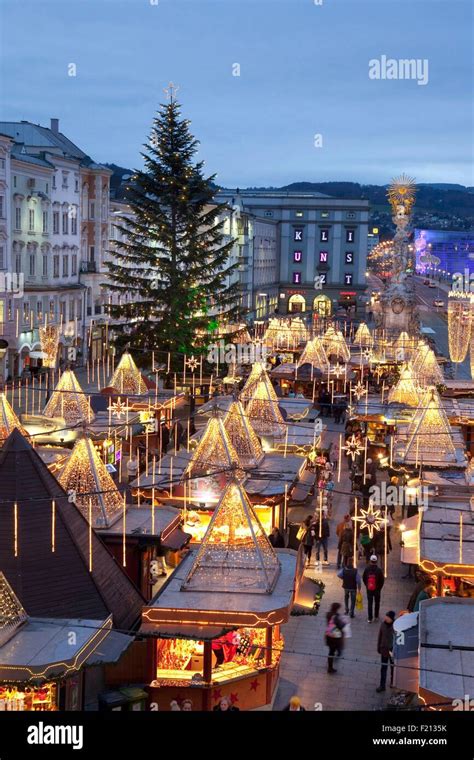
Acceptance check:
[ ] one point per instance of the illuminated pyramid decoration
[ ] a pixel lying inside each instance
(429, 434)
(241, 336)
(425, 367)
(258, 369)
(69, 401)
(299, 332)
(242, 435)
(86, 474)
(12, 614)
(363, 336)
(335, 345)
(214, 452)
(405, 391)
(263, 410)
(127, 378)
(8, 420)
(235, 555)
(314, 354)
(403, 347)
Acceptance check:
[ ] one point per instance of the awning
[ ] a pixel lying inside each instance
(176, 539)
(179, 631)
(38, 355)
(111, 649)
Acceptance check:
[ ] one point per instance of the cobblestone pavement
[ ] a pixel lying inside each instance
(304, 661)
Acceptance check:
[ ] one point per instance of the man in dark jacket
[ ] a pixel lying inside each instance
(351, 583)
(385, 648)
(373, 578)
(322, 535)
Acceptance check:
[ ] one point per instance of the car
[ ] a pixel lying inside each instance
(438, 302)
(426, 282)
(432, 285)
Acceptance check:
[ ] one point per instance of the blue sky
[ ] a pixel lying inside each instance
(303, 71)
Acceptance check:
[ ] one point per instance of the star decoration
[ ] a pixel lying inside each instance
(338, 370)
(217, 694)
(234, 698)
(353, 447)
(370, 519)
(359, 390)
(367, 354)
(192, 363)
(254, 685)
(118, 408)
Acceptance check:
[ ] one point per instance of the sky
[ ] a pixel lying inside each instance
(304, 73)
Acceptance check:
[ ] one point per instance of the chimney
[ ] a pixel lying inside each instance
(55, 126)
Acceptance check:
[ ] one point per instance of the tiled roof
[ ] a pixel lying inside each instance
(55, 584)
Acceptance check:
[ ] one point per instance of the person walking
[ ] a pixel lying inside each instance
(322, 533)
(385, 649)
(373, 579)
(334, 635)
(346, 545)
(308, 538)
(294, 705)
(351, 583)
(345, 523)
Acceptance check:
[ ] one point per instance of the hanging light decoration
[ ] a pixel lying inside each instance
(314, 354)
(69, 401)
(49, 340)
(459, 328)
(405, 391)
(425, 366)
(363, 336)
(127, 378)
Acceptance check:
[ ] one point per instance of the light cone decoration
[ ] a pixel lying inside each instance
(403, 347)
(429, 434)
(86, 475)
(258, 369)
(314, 354)
(425, 367)
(459, 328)
(235, 555)
(263, 410)
(127, 378)
(69, 401)
(12, 613)
(299, 331)
(242, 435)
(471, 355)
(335, 345)
(215, 452)
(49, 340)
(363, 336)
(405, 390)
(241, 336)
(8, 420)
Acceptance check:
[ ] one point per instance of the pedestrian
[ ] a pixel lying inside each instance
(322, 533)
(351, 583)
(420, 586)
(225, 705)
(334, 635)
(187, 705)
(165, 438)
(373, 578)
(308, 538)
(345, 523)
(426, 592)
(276, 539)
(132, 467)
(174, 707)
(385, 649)
(294, 705)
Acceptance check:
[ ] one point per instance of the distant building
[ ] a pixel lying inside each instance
(453, 248)
(321, 248)
(373, 239)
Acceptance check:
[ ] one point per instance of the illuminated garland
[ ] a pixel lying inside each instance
(242, 435)
(235, 555)
(459, 329)
(127, 378)
(87, 477)
(49, 340)
(69, 401)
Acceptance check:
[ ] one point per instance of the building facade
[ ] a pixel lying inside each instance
(321, 247)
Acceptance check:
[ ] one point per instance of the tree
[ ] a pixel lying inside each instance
(171, 270)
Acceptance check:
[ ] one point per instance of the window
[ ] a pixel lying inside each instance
(14, 181)
(324, 235)
(92, 210)
(92, 253)
(2, 206)
(52, 310)
(45, 265)
(10, 309)
(31, 220)
(18, 263)
(39, 311)
(45, 221)
(55, 265)
(298, 234)
(72, 310)
(65, 181)
(2, 164)
(62, 310)
(76, 185)
(74, 224)
(297, 256)
(296, 278)
(268, 213)
(350, 215)
(65, 266)
(32, 264)
(323, 257)
(349, 257)
(47, 188)
(54, 182)
(324, 214)
(348, 279)
(18, 218)
(79, 308)
(74, 264)
(2, 257)
(350, 235)
(26, 311)
(56, 222)
(65, 223)
(299, 214)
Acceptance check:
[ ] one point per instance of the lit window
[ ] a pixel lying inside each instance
(299, 214)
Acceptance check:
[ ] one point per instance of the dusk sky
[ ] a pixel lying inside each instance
(304, 70)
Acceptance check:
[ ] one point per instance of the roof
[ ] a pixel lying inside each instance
(56, 584)
(36, 136)
(21, 155)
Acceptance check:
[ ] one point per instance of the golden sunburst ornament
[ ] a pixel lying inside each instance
(401, 192)
(118, 408)
(371, 519)
(192, 363)
(353, 447)
(367, 354)
(338, 371)
(359, 390)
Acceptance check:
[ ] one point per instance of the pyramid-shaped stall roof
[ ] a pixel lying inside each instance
(263, 410)
(314, 354)
(258, 369)
(68, 400)
(242, 435)
(429, 434)
(12, 614)
(425, 366)
(8, 420)
(56, 584)
(215, 452)
(363, 336)
(86, 474)
(235, 555)
(405, 390)
(127, 378)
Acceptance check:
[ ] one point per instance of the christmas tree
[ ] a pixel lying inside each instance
(171, 272)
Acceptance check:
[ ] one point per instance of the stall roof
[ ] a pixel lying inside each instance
(273, 473)
(440, 536)
(179, 631)
(138, 521)
(446, 626)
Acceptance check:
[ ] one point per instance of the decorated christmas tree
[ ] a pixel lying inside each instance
(242, 435)
(94, 491)
(263, 410)
(8, 419)
(127, 378)
(173, 263)
(69, 401)
(235, 555)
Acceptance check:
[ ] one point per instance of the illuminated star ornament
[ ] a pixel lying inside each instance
(359, 390)
(118, 408)
(367, 354)
(353, 447)
(192, 363)
(370, 519)
(338, 370)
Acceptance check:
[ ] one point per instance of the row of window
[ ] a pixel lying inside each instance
(297, 278)
(64, 184)
(45, 264)
(323, 235)
(66, 218)
(323, 257)
(74, 311)
(323, 214)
